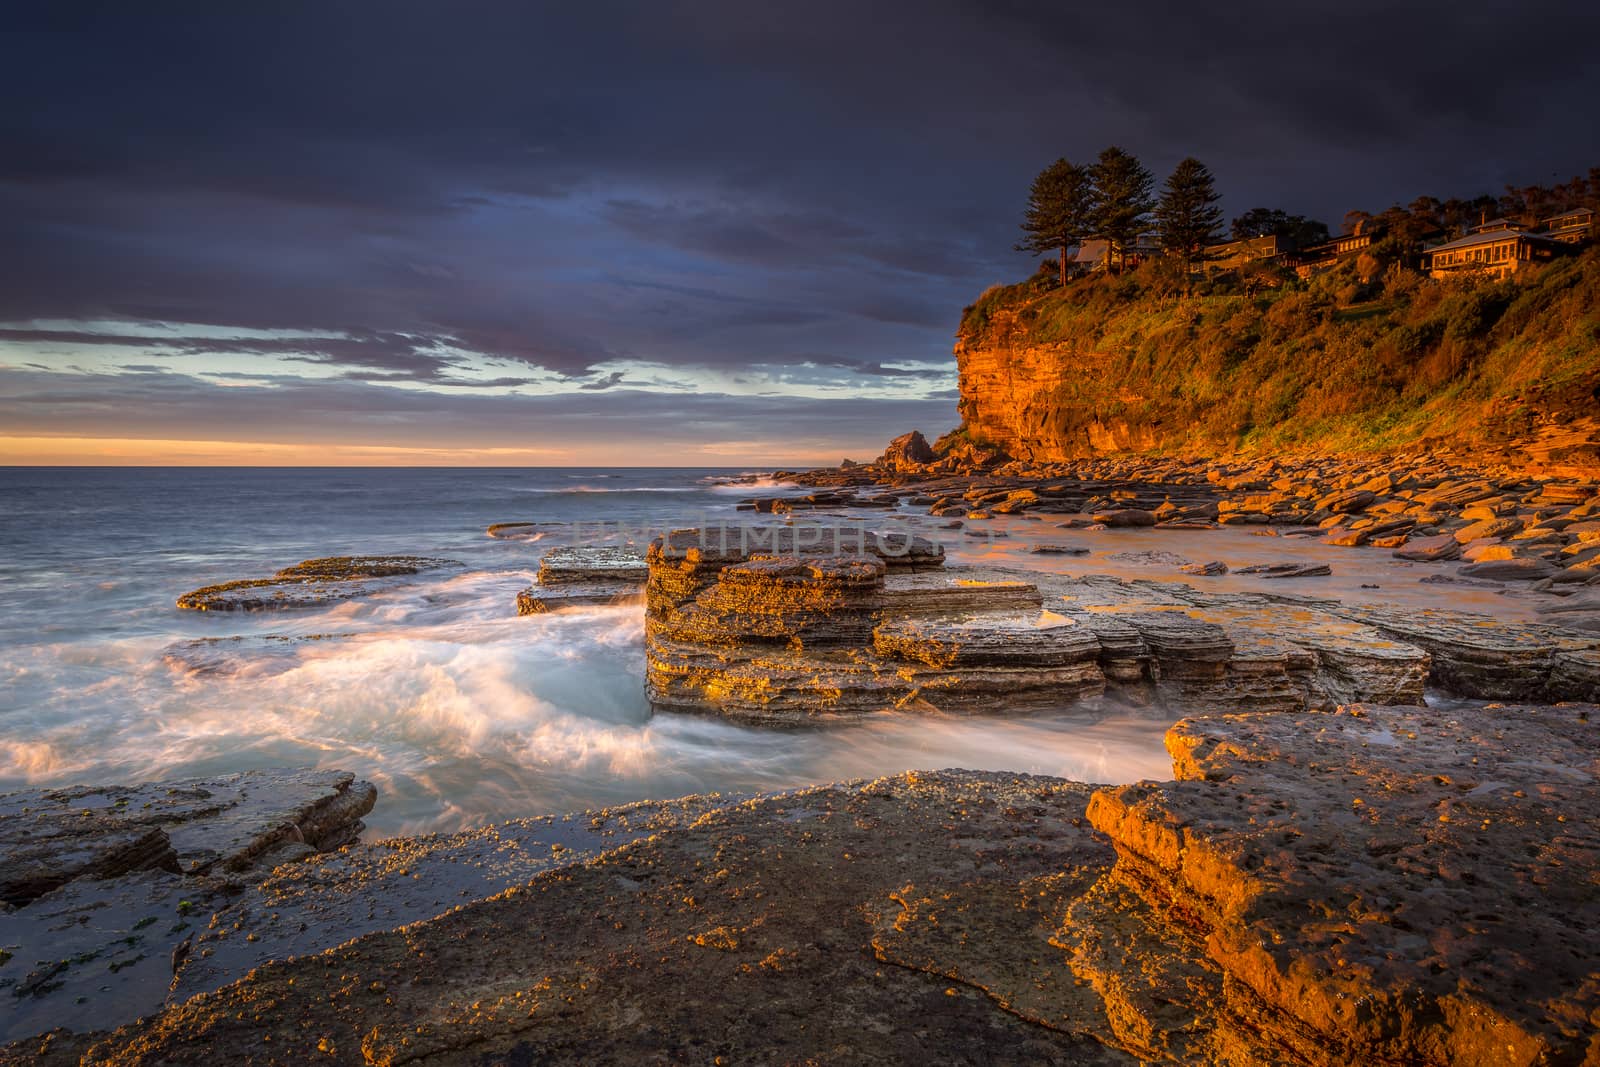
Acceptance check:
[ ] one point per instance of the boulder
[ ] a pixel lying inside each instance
(1516, 569)
(908, 452)
(1489, 528)
(1430, 549)
(1348, 502)
(1125, 517)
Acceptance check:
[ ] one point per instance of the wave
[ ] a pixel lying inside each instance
(764, 484)
(576, 490)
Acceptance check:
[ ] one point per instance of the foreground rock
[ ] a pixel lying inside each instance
(311, 583)
(1398, 885)
(102, 885)
(324, 900)
(1367, 885)
(746, 936)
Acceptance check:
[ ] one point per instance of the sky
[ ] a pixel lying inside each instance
(661, 233)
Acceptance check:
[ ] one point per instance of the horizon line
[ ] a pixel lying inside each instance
(389, 466)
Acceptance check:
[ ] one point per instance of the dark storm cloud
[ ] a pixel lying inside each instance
(561, 187)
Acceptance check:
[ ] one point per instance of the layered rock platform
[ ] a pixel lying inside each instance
(1389, 885)
(767, 628)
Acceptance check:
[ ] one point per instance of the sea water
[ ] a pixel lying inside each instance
(461, 711)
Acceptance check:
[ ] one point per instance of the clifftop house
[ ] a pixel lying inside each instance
(1500, 251)
(1498, 246)
(1315, 259)
(1231, 255)
(1092, 254)
(1571, 227)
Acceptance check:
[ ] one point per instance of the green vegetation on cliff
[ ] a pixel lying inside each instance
(1369, 356)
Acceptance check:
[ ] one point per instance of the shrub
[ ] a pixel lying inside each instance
(1477, 312)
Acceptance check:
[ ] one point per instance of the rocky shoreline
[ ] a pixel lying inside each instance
(1387, 884)
(1508, 526)
(1378, 842)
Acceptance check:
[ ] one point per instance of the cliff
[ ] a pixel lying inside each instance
(1368, 358)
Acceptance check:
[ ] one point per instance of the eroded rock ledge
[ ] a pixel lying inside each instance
(766, 627)
(1371, 884)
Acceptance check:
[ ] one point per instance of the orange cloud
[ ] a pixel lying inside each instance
(143, 452)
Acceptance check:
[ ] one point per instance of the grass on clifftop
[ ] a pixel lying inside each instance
(1369, 356)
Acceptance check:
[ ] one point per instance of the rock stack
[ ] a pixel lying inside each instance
(768, 624)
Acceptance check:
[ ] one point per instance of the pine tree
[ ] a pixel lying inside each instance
(1187, 217)
(1060, 211)
(1122, 188)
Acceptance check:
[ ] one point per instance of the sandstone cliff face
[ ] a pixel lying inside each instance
(1490, 370)
(1047, 402)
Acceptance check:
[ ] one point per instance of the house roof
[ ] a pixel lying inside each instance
(1488, 237)
(1575, 213)
(1262, 241)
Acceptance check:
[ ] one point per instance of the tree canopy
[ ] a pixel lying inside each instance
(1275, 222)
(1061, 211)
(1123, 201)
(1187, 216)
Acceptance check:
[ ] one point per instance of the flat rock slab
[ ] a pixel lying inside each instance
(326, 899)
(523, 531)
(1390, 885)
(1286, 570)
(1521, 569)
(542, 599)
(1039, 639)
(589, 563)
(311, 583)
(733, 543)
(103, 887)
(96, 950)
(1480, 656)
(244, 655)
(747, 936)
(49, 837)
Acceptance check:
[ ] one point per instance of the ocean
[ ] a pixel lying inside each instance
(459, 710)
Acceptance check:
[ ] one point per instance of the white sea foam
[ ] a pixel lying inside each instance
(576, 490)
(462, 714)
